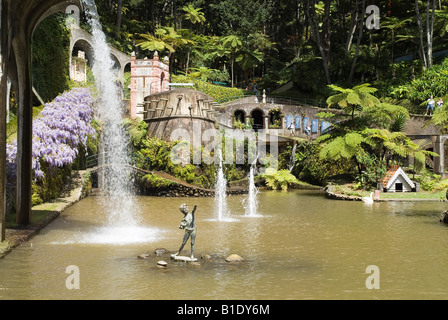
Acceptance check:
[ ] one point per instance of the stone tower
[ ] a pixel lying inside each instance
(148, 76)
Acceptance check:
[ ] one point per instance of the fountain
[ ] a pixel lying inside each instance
(123, 213)
(251, 202)
(221, 210)
(292, 160)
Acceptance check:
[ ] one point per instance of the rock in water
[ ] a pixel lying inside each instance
(160, 251)
(183, 258)
(162, 263)
(234, 258)
(206, 257)
(444, 217)
(143, 256)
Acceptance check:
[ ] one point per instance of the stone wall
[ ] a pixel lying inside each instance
(249, 105)
(178, 190)
(179, 114)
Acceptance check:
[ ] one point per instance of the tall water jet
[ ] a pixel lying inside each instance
(251, 202)
(221, 210)
(292, 159)
(114, 160)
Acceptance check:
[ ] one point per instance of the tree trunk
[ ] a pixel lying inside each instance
(231, 67)
(353, 25)
(314, 26)
(175, 14)
(299, 29)
(188, 62)
(358, 43)
(430, 30)
(420, 31)
(118, 21)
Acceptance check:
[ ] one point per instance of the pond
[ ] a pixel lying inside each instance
(300, 246)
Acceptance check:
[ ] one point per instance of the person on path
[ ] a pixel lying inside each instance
(292, 127)
(430, 106)
(440, 103)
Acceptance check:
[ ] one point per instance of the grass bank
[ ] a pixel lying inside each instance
(349, 190)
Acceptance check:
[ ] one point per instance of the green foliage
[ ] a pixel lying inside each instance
(86, 184)
(186, 173)
(374, 135)
(137, 131)
(373, 171)
(279, 179)
(50, 57)
(207, 74)
(353, 99)
(440, 117)
(51, 185)
(430, 181)
(432, 82)
(153, 181)
(126, 84)
(218, 93)
(308, 74)
(194, 15)
(164, 39)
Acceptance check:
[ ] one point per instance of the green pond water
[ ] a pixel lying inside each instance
(300, 246)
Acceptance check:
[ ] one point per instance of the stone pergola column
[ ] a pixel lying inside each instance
(21, 45)
(247, 118)
(266, 121)
(439, 162)
(4, 57)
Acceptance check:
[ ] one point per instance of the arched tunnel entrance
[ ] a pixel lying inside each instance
(257, 118)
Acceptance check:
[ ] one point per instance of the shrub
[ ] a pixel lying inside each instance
(279, 179)
(153, 181)
(218, 93)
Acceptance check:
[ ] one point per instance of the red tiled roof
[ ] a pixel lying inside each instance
(390, 173)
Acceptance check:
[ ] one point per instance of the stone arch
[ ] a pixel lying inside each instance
(257, 116)
(83, 39)
(275, 118)
(117, 63)
(164, 81)
(127, 67)
(239, 115)
(83, 45)
(162, 78)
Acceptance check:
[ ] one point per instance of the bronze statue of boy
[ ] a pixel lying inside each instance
(187, 223)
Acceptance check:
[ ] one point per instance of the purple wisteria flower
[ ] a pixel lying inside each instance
(62, 126)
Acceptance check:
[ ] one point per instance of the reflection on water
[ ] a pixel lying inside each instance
(303, 246)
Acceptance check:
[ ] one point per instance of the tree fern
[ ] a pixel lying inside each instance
(354, 99)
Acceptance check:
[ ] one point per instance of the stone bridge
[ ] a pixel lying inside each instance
(82, 40)
(274, 116)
